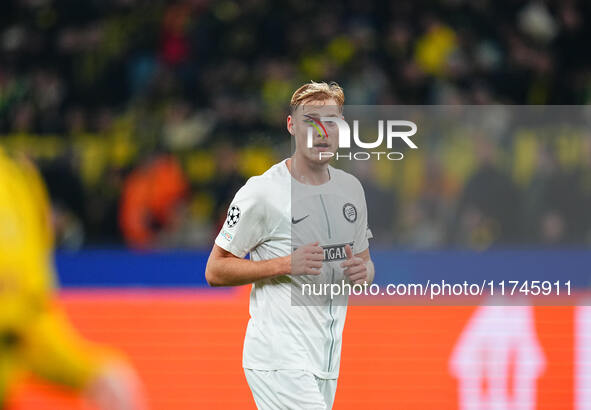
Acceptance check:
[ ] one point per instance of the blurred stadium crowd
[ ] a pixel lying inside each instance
(145, 116)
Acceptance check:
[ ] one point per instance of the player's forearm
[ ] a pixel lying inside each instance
(231, 271)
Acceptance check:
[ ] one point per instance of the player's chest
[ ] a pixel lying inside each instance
(330, 219)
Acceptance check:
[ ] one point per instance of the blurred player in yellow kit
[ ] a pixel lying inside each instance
(35, 336)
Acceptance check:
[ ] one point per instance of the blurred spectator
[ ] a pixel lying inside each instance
(227, 181)
(489, 208)
(68, 202)
(152, 196)
(558, 209)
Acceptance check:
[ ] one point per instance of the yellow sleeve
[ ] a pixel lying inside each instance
(49, 346)
(54, 351)
(26, 239)
(40, 198)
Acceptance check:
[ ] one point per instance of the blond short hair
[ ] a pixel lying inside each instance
(313, 91)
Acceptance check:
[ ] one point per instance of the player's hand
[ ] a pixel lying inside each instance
(354, 267)
(116, 387)
(307, 260)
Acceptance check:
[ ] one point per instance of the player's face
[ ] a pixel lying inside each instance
(324, 133)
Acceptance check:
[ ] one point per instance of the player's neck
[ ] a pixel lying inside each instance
(307, 173)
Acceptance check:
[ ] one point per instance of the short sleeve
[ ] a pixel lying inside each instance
(245, 226)
(362, 231)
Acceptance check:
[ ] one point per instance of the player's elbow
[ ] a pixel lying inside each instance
(213, 275)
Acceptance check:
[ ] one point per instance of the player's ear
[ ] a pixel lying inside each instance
(290, 125)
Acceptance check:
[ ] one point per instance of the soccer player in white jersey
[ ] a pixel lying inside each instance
(302, 222)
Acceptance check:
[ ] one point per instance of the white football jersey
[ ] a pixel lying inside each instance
(270, 216)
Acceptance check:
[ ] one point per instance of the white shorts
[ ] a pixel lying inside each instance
(290, 389)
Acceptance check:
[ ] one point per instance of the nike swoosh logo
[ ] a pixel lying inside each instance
(296, 221)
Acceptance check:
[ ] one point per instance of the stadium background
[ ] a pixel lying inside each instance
(146, 116)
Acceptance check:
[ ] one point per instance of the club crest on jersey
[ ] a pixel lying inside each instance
(350, 212)
(233, 216)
